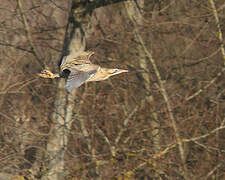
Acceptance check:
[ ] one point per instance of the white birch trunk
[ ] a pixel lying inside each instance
(135, 14)
(62, 118)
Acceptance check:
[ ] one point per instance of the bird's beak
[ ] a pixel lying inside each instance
(123, 70)
(118, 71)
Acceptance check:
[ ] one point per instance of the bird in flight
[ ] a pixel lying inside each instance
(78, 70)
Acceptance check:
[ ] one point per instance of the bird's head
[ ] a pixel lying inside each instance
(111, 72)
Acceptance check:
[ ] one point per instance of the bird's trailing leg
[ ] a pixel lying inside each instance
(47, 74)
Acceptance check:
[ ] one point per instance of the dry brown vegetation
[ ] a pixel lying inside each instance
(165, 119)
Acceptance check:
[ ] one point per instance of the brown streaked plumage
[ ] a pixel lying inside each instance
(78, 70)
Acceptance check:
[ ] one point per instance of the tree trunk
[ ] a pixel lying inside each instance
(64, 105)
(134, 12)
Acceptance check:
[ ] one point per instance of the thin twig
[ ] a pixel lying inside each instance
(220, 36)
(28, 33)
(16, 47)
(170, 147)
(214, 169)
(163, 92)
(205, 135)
(125, 122)
(207, 86)
(111, 147)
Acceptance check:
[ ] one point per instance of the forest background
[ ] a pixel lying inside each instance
(162, 120)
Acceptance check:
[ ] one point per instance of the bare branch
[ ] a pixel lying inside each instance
(163, 92)
(207, 86)
(125, 122)
(220, 36)
(28, 33)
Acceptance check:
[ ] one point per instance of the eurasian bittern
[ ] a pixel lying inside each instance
(78, 70)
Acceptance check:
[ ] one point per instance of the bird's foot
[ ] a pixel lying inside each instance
(46, 74)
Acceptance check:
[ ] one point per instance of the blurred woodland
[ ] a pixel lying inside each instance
(163, 120)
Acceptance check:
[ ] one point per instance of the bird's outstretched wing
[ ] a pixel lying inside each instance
(70, 61)
(77, 78)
